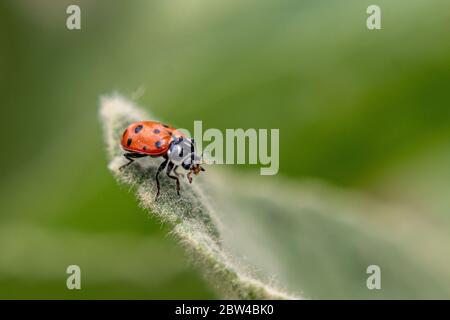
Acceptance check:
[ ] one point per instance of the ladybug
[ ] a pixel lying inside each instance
(154, 139)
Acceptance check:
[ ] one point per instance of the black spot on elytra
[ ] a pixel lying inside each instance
(156, 131)
(158, 144)
(129, 142)
(138, 128)
(144, 148)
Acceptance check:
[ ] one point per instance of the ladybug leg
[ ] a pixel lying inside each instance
(170, 166)
(178, 174)
(130, 161)
(160, 168)
(131, 156)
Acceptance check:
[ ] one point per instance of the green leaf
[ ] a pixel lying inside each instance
(194, 221)
(265, 237)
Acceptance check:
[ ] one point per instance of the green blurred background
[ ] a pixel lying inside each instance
(366, 110)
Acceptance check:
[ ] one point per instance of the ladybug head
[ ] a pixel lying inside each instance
(197, 168)
(194, 169)
(193, 162)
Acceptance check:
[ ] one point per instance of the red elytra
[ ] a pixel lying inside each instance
(149, 137)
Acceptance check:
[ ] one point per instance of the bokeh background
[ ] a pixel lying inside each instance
(359, 109)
